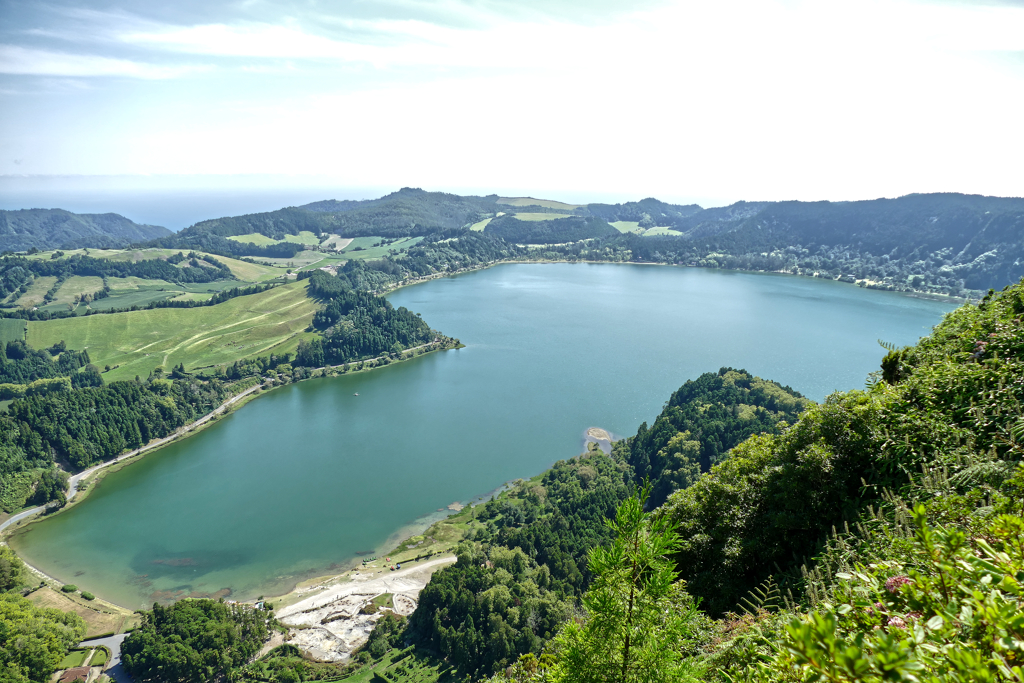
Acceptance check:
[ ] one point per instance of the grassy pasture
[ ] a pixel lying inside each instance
(530, 201)
(97, 619)
(77, 285)
(247, 272)
(12, 329)
(627, 226)
(304, 237)
(280, 265)
(539, 216)
(369, 251)
(661, 230)
(138, 341)
(36, 291)
(479, 227)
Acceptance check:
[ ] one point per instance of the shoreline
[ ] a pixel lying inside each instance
(91, 476)
(25, 518)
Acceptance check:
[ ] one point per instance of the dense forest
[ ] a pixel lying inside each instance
(194, 640)
(58, 229)
(554, 231)
(357, 324)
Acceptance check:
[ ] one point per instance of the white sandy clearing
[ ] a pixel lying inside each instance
(329, 626)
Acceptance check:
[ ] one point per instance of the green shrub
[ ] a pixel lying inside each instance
(948, 611)
(88, 596)
(69, 588)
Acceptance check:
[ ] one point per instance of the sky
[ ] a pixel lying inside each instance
(580, 100)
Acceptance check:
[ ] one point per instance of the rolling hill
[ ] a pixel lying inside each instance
(57, 229)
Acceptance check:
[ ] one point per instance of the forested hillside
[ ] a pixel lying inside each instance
(555, 231)
(58, 229)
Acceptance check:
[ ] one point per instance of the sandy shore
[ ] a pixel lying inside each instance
(330, 625)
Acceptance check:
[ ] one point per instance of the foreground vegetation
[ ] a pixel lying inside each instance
(873, 537)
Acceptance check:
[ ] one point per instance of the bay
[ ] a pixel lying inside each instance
(297, 482)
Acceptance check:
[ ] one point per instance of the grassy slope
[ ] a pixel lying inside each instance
(12, 329)
(626, 226)
(539, 216)
(479, 227)
(99, 618)
(34, 296)
(530, 201)
(369, 251)
(304, 237)
(138, 341)
(247, 272)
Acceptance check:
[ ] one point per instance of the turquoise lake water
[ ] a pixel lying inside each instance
(300, 480)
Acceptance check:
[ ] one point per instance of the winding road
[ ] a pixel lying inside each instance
(75, 479)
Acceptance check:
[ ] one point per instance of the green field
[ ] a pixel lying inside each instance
(74, 658)
(362, 248)
(634, 227)
(481, 225)
(540, 216)
(12, 329)
(661, 231)
(627, 226)
(138, 341)
(247, 272)
(34, 296)
(77, 285)
(304, 237)
(99, 657)
(530, 201)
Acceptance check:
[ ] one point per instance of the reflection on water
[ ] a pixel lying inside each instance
(298, 482)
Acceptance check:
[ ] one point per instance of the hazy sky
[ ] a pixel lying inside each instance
(713, 100)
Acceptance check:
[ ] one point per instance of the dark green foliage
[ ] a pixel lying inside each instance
(51, 228)
(12, 570)
(410, 211)
(194, 640)
(94, 425)
(555, 231)
(703, 420)
(34, 640)
(769, 508)
(506, 596)
(357, 324)
(20, 364)
(943, 243)
(50, 487)
(648, 213)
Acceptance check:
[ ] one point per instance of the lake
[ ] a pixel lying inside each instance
(297, 482)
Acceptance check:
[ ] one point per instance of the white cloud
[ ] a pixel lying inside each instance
(17, 60)
(739, 98)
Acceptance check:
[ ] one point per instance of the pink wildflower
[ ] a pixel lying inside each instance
(893, 583)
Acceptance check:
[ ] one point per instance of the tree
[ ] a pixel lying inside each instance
(638, 616)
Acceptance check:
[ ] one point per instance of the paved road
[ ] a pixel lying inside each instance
(114, 668)
(76, 478)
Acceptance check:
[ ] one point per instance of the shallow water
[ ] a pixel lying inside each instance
(302, 479)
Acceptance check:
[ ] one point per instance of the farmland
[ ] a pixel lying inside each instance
(304, 237)
(136, 342)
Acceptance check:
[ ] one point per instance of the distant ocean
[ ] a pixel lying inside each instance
(174, 208)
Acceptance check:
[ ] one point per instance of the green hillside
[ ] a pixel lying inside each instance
(136, 342)
(55, 228)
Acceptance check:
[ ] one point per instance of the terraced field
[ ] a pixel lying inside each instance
(138, 341)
